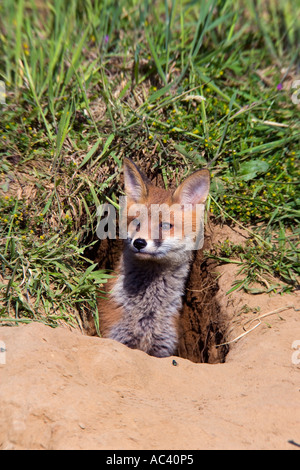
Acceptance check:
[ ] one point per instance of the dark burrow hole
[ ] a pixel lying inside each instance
(202, 322)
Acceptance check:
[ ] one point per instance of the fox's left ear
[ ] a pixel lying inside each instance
(135, 184)
(194, 189)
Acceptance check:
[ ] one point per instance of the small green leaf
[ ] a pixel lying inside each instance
(249, 170)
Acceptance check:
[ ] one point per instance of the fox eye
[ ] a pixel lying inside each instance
(136, 224)
(165, 226)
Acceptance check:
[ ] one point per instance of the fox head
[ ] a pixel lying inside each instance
(162, 224)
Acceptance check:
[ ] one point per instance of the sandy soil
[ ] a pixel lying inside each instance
(60, 389)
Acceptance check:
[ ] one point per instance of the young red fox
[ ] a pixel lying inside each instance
(143, 306)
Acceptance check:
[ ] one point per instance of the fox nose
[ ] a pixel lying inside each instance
(139, 243)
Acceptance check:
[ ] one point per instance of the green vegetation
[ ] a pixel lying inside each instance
(177, 84)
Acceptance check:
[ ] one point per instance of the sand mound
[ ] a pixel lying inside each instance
(62, 390)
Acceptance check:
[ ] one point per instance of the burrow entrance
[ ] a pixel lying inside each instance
(202, 322)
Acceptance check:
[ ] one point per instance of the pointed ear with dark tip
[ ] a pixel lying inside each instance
(135, 186)
(194, 189)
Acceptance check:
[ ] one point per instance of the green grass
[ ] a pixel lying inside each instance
(181, 85)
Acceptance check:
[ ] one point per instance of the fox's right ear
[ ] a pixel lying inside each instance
(194, 189)
(135, 186)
